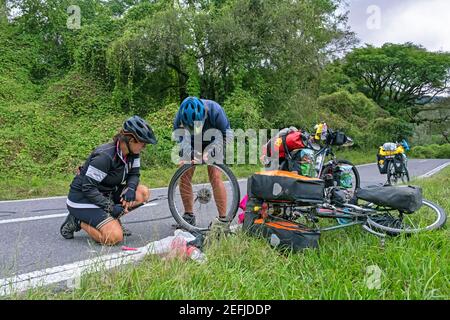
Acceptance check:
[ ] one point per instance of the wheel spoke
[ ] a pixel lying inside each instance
(428, 217)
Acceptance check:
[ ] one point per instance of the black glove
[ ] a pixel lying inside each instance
(129, 195)
(115, 210)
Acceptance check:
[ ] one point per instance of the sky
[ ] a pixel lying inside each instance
(425, 22)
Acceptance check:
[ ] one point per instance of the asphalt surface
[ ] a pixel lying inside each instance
(32, 245)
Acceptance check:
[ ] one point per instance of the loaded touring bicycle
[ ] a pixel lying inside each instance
(287, 208)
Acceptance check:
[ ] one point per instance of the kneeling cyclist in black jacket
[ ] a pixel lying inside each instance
(107, 185)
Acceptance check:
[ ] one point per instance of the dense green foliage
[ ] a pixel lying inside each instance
(431, 151)
(64, 89)
(398, 76)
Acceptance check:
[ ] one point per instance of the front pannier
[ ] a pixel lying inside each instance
(382, 163)
(283, 186)
(404, 198)
(398, 163)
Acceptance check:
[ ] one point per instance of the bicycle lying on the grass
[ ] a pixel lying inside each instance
(346, 203)
(376, 219)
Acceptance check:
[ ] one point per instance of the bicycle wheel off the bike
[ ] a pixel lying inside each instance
(191, 190)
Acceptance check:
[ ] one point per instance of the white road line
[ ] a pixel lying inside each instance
(74, 270)
(434, 171)
(59, 197)
(365, 165)
(32, 199)
(52, 216)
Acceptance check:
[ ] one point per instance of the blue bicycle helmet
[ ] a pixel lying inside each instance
(140, 129)
(192, 109)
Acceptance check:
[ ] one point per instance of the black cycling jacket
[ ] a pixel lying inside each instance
(103, 172)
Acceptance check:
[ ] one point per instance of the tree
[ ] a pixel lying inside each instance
(47, 22)
(333, 79)
(436, 116)
(3, 12)
(148, 61)
(271, 49)
(399, 76)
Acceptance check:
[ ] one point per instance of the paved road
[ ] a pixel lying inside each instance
(31, 245)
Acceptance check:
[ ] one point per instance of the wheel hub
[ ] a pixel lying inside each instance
(204, 195)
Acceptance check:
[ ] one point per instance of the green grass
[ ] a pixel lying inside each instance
(243, 267)
(356, 156)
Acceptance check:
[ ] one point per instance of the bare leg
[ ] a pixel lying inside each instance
(187, 194)
(110, 234)
(220, 194)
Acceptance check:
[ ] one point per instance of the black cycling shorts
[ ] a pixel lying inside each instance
(95, 217)
(89, 213)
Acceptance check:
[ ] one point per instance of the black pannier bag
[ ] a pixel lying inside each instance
(283, 186)
(280, 234)
(404, 198)
(382, 164)
(337, 138)
(398, 163)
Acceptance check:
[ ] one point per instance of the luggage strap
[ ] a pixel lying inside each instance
(286, 150)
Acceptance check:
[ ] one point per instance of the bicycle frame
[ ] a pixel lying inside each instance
(322, 153)
(357, 214)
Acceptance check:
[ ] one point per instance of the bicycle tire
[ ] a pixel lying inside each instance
(234, 205)
(389, 173)
(406, 173)
(438, 223)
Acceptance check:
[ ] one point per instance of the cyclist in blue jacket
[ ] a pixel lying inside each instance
(210, 115)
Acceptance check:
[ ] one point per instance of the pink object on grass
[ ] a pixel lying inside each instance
(241, 217)
(242, 205)
(243, 202)
(125, 248)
